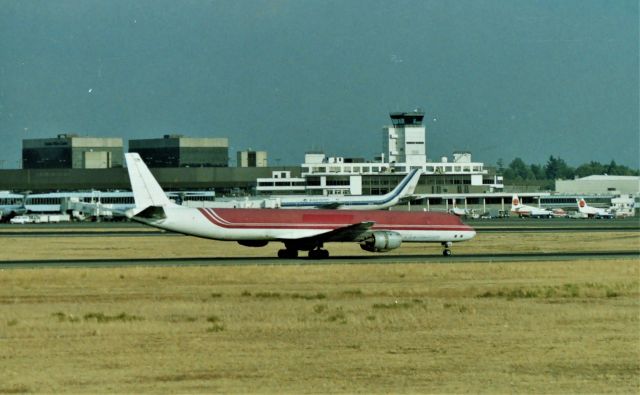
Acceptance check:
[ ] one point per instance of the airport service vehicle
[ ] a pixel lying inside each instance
(529, 211)
(298, 230)
(22, 219)
(40, 218)
(11, 205)
(402, 191)
(558, 212)
(594, 212)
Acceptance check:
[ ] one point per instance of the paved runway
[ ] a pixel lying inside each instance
(337, 260)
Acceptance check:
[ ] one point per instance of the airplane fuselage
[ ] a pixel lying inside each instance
(279, 225)
(299, 230)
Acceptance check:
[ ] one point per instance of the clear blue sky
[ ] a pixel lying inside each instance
(501, 78)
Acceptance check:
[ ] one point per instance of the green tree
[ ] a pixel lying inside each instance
(538, 172)
(589, 169)
(557, 168)
(611, 169)
(520, 169)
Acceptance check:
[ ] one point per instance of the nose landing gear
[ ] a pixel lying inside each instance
(446, 245)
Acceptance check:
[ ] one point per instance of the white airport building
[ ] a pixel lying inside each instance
(404, 149)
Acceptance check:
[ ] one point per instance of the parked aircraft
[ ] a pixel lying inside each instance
(463, 212)
(594, 212)
(528, 211)
(299, 230)
(577, 215)
(402, 191)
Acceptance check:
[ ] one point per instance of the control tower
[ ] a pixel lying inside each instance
(404, 140)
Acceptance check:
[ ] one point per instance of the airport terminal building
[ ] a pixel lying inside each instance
(175, 150)
(70, 163)
(69, 151)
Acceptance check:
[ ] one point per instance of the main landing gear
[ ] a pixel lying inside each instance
(446, 245)
(292, 253)
(288, 253)
(318, 254)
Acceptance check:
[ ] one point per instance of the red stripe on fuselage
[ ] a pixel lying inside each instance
(331, 219)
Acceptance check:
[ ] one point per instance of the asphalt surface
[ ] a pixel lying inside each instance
(337, 260)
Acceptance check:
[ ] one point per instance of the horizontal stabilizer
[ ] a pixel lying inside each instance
(151, 212)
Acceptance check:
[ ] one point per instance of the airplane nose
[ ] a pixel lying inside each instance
(470, 234)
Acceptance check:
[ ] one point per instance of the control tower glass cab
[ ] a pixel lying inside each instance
(413, 118)
(404, 140)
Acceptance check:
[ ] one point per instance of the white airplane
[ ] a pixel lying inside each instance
(461, 212)
(299, 230)
(529, 211)
(594, 212)
(402, 191)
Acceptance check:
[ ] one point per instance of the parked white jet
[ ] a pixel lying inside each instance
(528, 211)
(594, 212)
(402, 191)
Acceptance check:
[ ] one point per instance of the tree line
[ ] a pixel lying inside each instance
(557, 168)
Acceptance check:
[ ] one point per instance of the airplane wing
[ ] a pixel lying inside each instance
(408, 198)
(353, 232)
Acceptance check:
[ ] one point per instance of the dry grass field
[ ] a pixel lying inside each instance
(535, 327)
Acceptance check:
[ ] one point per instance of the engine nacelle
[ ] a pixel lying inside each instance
(253, 243)
(381, 241)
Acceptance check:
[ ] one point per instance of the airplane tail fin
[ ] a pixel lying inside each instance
(408, 185)
(582, 205)
(515, 202)
(146, 190)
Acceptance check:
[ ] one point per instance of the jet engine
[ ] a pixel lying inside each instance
(382, 241)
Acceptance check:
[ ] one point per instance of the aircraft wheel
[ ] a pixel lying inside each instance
(287, 254)
(318, 254)
(446, 252)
